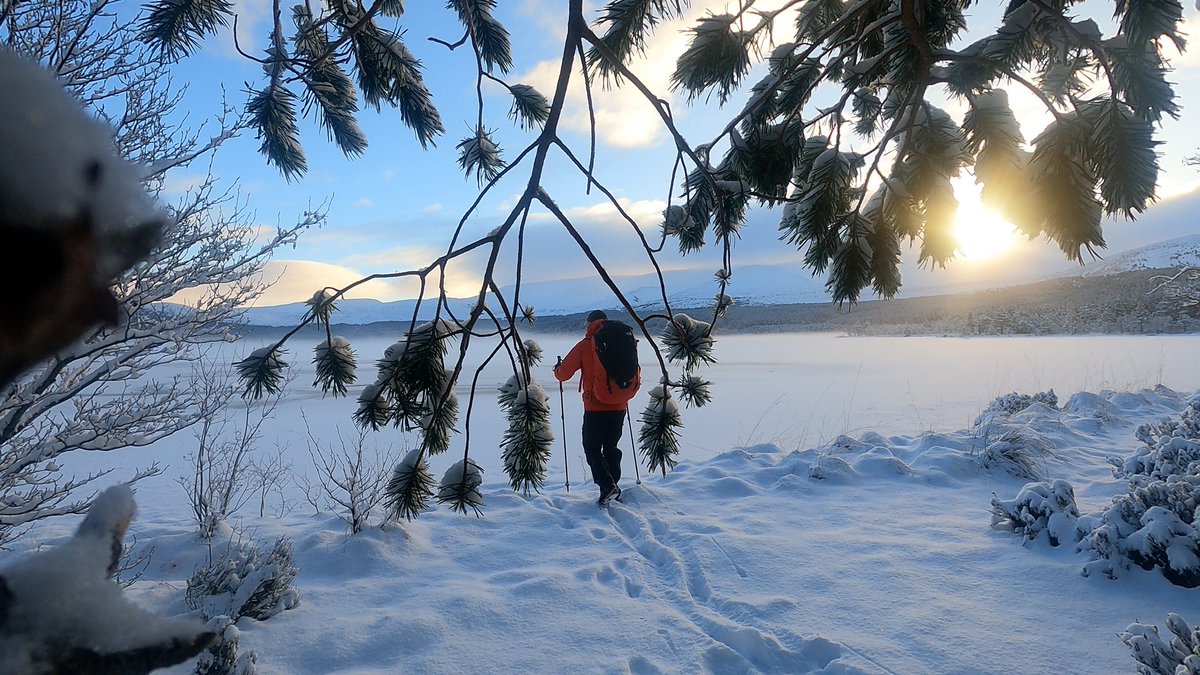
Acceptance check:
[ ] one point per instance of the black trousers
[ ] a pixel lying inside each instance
(601, 433)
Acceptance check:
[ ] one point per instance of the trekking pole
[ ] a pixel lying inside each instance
(562, 412)
(633, 444)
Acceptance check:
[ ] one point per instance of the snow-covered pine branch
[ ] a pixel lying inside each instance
(526, 443)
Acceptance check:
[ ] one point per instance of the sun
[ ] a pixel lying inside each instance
(980, 233)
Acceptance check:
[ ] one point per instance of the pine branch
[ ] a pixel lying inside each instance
(491, 37)
(480, 155)
(407, 493)
(438, 423)
(695, 391)
(526, 442)
(688, 341)
(1140, 78)
(1065, 187)
(630, 23)
(262, 372)
(328, 86)
(388, 72)
(373, 411)
(272, 112)
(851, 268)
(335, 363)
(717, 58)
(658, 438)
(1126, 164)
(460, 487)
(176, 27)
(530, 109)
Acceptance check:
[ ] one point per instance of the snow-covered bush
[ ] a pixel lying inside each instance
(226, 468)
(1038, 508)
(245, 581)
(1150, 526)
(1018, 452)
(223, 657)
(350, 480)
(1002, 443)
(1155, 656)
(1011, 404)
(1170, 447)
(1154, 524)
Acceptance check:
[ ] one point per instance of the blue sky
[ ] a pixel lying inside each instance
(395, 207)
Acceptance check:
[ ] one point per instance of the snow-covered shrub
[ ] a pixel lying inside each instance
(223, 658)
(1038, 508)
(246, 581)
(1155, 656)
(1018, 452)
(1154, 524)
(350, 480)
(1011, 404)
(1150, 526)
(1170, 447)
(1003, 444)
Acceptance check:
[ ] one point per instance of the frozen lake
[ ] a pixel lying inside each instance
(796, 391)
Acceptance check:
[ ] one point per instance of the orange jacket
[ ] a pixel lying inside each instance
(583, 357)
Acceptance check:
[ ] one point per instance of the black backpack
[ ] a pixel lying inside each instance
(617, 350)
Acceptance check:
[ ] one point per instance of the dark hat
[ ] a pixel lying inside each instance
(596, 315)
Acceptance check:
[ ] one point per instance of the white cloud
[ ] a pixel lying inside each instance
(364, 203)
(297, 280)
(1189, 59)
(624, 118)
(397, 258)
(645, 212)
(432, 208)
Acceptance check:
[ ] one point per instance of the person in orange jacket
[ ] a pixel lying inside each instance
(602, 419)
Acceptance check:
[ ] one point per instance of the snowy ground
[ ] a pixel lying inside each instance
(740, 560)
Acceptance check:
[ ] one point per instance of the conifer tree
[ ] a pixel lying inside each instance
(836, 120)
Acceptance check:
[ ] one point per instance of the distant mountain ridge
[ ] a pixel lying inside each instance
(753, 285)
(1179, 252)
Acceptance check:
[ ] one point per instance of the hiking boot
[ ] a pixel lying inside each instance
(613, 493)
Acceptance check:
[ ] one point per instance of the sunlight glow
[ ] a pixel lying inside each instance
(981, 233)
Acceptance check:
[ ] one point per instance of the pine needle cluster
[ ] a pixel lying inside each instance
(527, 441)
(460, 487)
(851, 202)
(659, 435)
(408, 491)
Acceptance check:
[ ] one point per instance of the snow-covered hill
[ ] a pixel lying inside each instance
(784, 283)
(756, 285)
(1178, 252)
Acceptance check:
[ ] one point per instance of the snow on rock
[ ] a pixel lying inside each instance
(61, 610)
